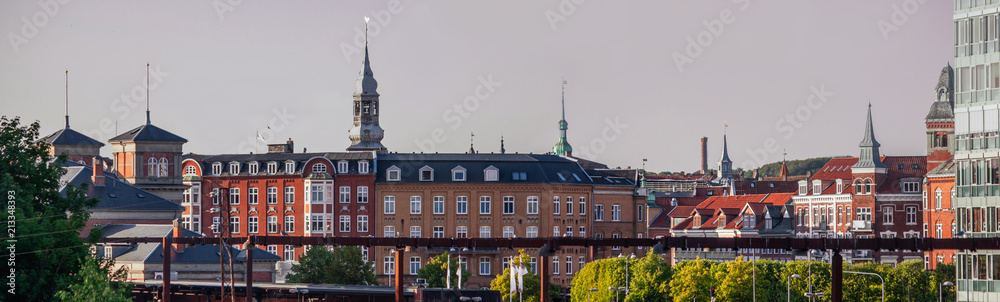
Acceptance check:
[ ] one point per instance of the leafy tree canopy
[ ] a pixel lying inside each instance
(341, 265)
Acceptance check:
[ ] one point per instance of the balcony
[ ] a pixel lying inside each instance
(861, 226)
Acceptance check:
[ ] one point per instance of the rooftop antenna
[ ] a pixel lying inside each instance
(67, 98)
(564, 98)
(147, 93)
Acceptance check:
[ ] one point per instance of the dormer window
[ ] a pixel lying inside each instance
(272, 167)
(491, 173)
(190, 171)
(840, 186)
(319, 168)
(803, 187)
(426, 174)
(234, 168)
(458, 174)
(342, 167)
(216, 168)
(911, 187)
(363, 167)
(673, 202)
(519, 176)
(289, 167)
(392, 174)
(253, 168)
(817, 187)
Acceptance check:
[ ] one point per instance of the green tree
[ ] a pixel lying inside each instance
(436, 271)
(98, 281)
(737, 279)
(650, 279)
(342, 265)
(693, 279)
(46, 222)
(866, 287)
(532, 284)
(600, 274)
(912, 282)
(820, 279)
(944, 273)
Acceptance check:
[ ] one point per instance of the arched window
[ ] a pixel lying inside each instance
(163, 167)
(189, 170)
(151, 167)
(859, 188)
(944, 140)
(319, 168)
(868, 186)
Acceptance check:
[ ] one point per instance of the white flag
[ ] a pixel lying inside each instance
(448, 281)
(459, 276)
(513, 277)
(261, 138)
(521, 271)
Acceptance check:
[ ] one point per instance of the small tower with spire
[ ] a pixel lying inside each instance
(77, 146)
(870, 161)
(366, 134)
(725, 172)
(472, 143)
(783, 173)
(502, 150)
(562, 147)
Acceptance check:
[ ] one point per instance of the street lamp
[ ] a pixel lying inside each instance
(588, 293)
(631, 256)
(941, 287)
(615, 289)
(790, 285)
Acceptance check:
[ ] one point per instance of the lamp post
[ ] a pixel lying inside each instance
(941, 287)
(627, 285)
(590, 291)
(615, 289)
(790, 285)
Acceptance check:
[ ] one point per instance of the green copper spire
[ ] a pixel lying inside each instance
(562, 147)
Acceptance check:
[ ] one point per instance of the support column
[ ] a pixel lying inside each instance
(167, 254)
(399, 275)
(837, 276)
(249, 268)
(543, 267)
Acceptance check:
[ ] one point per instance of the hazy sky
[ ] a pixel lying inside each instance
(226, 69)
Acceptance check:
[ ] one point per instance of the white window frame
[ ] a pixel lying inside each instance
(362, 194)
(583, 206)
(342, 167)
(216, 168)
(532, 205)
(392, 174)
(389, 231)
(508, 205)
(484, 266)
(485, 205)
(616, 212)
(253, 224)
(569, 205)
(415, 204)
(389, 204)
(252, 195)
(318, 168)
(556, 205)
(253, 168)
(289, 167)
(462, 205)
(272, 224)
(437, 231)
(272, 168)
(462, 231)
(459, 174)
(531, 232)
(289, 225)
(345, 223)
(485, 231)
(491, 173)
(234, 168)
(428, 177)
(345, 194)
(289, 194)
(363, 167)
(438, 205)
(415, 231)
(272, 195)
(508, 232)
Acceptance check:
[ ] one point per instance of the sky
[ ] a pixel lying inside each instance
(645, 79)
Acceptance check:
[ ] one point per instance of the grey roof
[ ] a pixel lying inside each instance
(115, 230)
(263, 158)
(115, 195)
(67, 136)
(537, 168)
(199, 253)
(946, 168)
(725, 150)
(147, 133)
(781, 225)
(621, 177)
(941, 111)
(366, 84)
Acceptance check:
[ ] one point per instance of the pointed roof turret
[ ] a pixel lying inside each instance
(870, 157)
(725, 151)
(562, 147)
(366, 84)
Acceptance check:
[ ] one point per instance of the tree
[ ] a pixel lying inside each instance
(693, 280)
(650, 280)
(341, 265)
(820, 280)
(532, 284)
(912, 283)
(944, 273)
(98, 281)
(600, 274)
(737, 278)
(46, 222)
(436, 271)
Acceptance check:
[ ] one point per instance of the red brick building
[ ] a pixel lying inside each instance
(939, 185)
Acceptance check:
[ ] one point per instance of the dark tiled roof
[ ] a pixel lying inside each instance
(67, 136)
(940, 111)
(537, 168)
(280, 158)
(199, 253)
(147, 133)
(115, 230)
(116, 195)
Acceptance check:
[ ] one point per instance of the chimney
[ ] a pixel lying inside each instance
(98, 177)
(177, 234)
(704, 155)
(287, 147)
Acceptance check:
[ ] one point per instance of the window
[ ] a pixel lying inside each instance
(289, 167)
(569, 205)
(569, 265)
(234, 168)
(458, 174)
(583, 260)
(272, 195)
(616, 212)
(438, 205)
(437, 232)
(317, 193)
(162, 167)
(273, 249)
(569, 231)
(531, 232)
(599, 212)
(640, 213)
(414, 204)
(616, 236)
(272, 224)
(216, 168)
(462, 205)
(508, 205)
(316, 223)
(462, 231)
(491, 174)
(345, 223)
(939, 231)
(190, 171)
(363, 194)
(911, 187)
(863, 214)
(186, 222)
(415, 231)
(426, 174)
(555, 231)
(414, 265)
(887, 215)
(319, 168)
(555, 205)
(583, 206)
(289, 253)
(345, 194)
(389, 205)
(363, 167)
(252, 195)
(532, 205)
(289, 194)
(583, 232)
(508, 232)
(252, 225)
(234, 196)
(215, 225)
(342, 167)
(555, 265)
(289, 224)
(392, 174)
(484, 266)
(234, 225)
(389, 231)
(911, 215)
(272, 168)
(253, 168)
(484, 204)
(937, 199)
(389, 265)
(519, 176)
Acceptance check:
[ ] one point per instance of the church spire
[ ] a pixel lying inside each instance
(67, 98)
(562, 147)
(502, 150)
(870, 157)
(366, 134)
(725, 172)
(147, 93)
